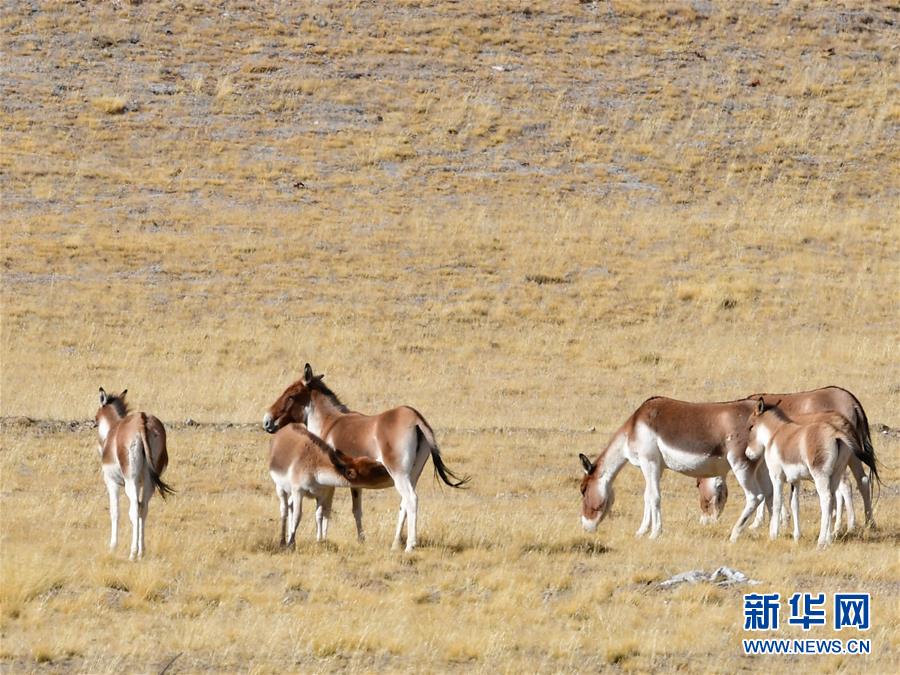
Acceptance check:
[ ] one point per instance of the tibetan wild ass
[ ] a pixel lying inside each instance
(816, 449)
(399, 438)
(832, 398)
(303, 465)
(697, 439)
(132, 453)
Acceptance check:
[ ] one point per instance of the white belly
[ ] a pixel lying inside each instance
(692, 464)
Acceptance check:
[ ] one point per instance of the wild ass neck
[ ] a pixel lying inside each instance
(321, 413)
(612, 460)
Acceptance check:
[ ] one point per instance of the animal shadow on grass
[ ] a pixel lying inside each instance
(454, 547)
(582, 546)
(272, 546)
(871, 535)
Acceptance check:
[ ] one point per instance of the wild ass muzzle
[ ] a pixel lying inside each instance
(697, 439)
(303, 465)
(820, 400)
(133, 454)
(816, 449)
(399, 438)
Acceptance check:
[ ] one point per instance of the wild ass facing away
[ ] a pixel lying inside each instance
(399, 438)
(697, 439)
(816, 449)
(133, 454)
(820, 400)
(303, 465)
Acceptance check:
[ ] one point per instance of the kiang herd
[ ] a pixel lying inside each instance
(318, 444)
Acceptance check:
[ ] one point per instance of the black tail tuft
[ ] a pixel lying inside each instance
(164, 488)
(866, 451)
(440, 469)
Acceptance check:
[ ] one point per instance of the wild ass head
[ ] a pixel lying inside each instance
(112, 409)
(759, 430)
(713, 495)
(293, 404)
(596, 494)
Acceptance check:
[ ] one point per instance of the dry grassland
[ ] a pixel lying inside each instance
(523, 219)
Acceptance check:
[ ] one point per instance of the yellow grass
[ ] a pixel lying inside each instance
(521, 220)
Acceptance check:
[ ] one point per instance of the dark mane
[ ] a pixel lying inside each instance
(320, 386)
(778, 412)
(119, 405)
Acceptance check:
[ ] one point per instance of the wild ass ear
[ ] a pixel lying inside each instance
(122, 395)
(760, 406)
(307, 373)
(103, 397)
(586, 463)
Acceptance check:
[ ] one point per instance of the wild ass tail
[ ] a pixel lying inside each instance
(424, 432)
(865, 451)
(164, 489)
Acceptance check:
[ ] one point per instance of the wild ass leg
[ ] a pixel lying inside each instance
(146, 494)
(133, 513)
(795, 509)
(323, 513)
(410, 505)
(283, 509)
(845, 495)
(652, 472)
(645, 520)
(864, 483)
(777, 496)
(296, 510)
(765, 482)
(113, 489)
(398, 535)
(743, 471)
(356, 497)
(826, 502)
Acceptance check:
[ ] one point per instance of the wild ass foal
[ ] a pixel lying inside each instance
(399, 438)
(303, 465)
(816, 449)
(820, 400)
(132, 453)
(696, 439)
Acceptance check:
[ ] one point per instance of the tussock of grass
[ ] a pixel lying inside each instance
(111, 105)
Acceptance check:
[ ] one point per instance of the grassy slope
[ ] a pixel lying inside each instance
(527, 217)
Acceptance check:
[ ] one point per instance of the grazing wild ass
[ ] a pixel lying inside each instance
(824, 399)
(303, 465)
(713, 494)
(816, 449)
(132, 453)
(697, 439)
(399, 438)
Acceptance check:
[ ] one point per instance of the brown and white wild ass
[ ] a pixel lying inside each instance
(133, 454)
(697, 439)
(833, 398)
(816, 449)
(303, 465)
(399, 438)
